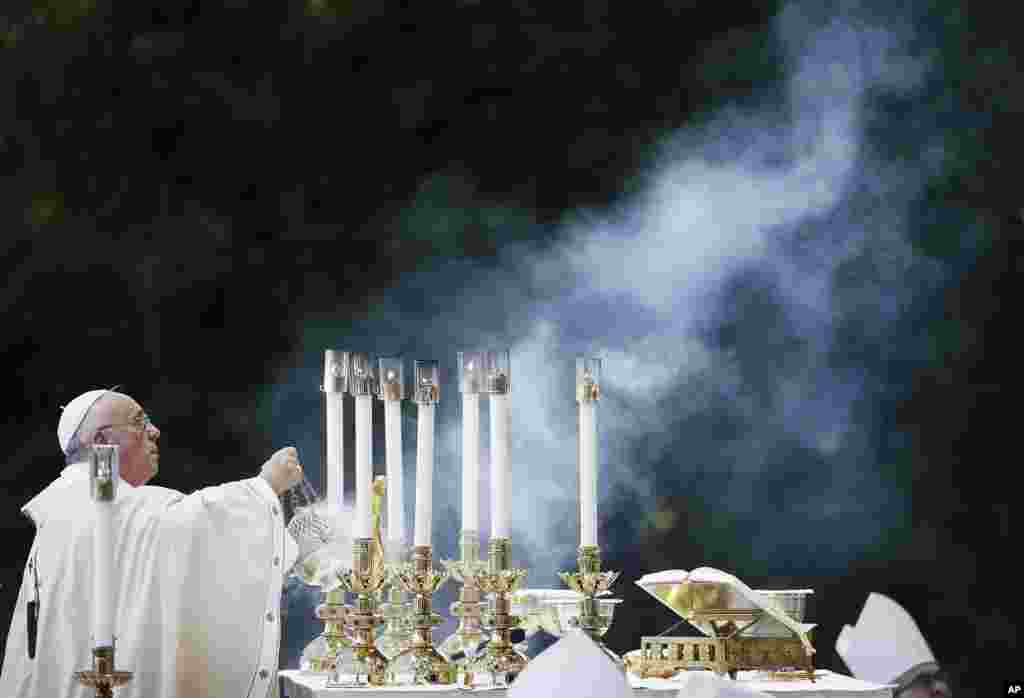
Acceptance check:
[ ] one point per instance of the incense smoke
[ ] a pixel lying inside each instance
(743, 303)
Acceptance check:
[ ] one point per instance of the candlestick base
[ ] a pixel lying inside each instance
(358, 667)
(397, 636)
(469, 634)
(320, 656)
(501, 660)
(462, 644)
(362, 664)
(591, 581)
(103, 677)
(421, 663)
(503, 664)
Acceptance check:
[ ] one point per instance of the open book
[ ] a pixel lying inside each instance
(662, 586)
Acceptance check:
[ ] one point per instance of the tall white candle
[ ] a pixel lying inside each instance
(103, 575)
(335, 451)
(470, 462)
(588, 472)
(393, 456)
(103, 474)
(500, 464)
(424, 472)
(364, 470)
(335, 381)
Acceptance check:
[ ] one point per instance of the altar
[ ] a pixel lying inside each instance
(827, 684)
(757, 637)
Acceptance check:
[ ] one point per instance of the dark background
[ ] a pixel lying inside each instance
(197, 198)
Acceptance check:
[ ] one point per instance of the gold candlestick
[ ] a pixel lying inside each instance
(421, 663)
(322, 653)
(103, 478)
(591, 581)
(502, 661)
(397, 635)
(468, 609)
(362, 659)
(103, 677)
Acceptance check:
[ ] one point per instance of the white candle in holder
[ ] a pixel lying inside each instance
(426, 397)
(587, 394)
(364, 469)
(470, 385)
(500, 457)
(498, 386)
(393, 453)
(424, 472)
(470, 462)
(335, 451)
(362, 389)
(588, 473)
(103, 476)
(335, 381)
(392, 384)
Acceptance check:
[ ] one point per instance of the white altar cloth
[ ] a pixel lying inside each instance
(827, 684)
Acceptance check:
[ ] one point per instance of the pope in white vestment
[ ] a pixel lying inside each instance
(198, 577)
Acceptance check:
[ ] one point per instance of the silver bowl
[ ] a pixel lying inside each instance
(568, 611)
(553, 610)
(792, 602)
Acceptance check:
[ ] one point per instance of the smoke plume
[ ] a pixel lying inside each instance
(745, 303)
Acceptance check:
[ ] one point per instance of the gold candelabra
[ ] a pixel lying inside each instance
(590, 581)
(468, 609)
(397, 635)
(365, 580)
(334, 614)
(501, 660)
(421, 663)
(103, 677)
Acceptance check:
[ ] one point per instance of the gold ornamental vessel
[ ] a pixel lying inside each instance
(743, 630)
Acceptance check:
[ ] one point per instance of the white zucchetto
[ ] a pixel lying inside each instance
(74, 414)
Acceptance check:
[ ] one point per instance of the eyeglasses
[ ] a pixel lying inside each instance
(140, 423)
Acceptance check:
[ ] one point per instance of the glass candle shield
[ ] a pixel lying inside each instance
(392, 378)
(497, 367)
(427, 381)
(471, 372)
(361, 375)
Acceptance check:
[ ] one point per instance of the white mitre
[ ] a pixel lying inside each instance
(572, 667)
(74, 414)
(705, 684)
(885, 646)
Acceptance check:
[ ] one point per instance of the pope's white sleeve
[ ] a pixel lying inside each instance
(229, 588)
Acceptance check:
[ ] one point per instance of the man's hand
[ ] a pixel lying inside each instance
(282, 470)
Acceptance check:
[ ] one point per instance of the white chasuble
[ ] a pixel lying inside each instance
(197, 599)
